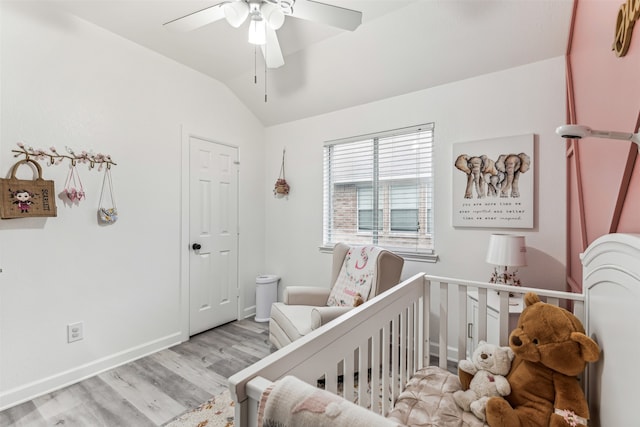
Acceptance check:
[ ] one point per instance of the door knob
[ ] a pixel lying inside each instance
(196, 246)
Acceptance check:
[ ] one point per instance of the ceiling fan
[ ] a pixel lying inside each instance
(267, 16)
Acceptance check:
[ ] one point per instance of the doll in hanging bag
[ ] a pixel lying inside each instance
(107, 211)
(25, 198)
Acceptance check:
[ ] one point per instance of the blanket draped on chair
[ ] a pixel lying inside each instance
(291, 402)
(356, 276)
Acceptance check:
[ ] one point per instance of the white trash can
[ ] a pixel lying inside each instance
(266, 294)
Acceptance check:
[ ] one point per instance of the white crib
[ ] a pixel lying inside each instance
(409, 326)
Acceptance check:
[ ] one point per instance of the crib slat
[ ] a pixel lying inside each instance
(425, 334)
(411, 343)
(331, 380)
(364, 397)
(403, 349)
(376, 350)
(347, 377)
(553, 301)
(482, 314)
(578, 310)
(386, 365)
(363, 357)
(462, 322)
(394, 358)
(503, 319)
(444, 325)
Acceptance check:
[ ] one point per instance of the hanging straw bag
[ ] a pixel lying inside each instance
(23, 198)
(107, 215)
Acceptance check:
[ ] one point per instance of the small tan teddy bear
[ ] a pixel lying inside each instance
(357, 300)
(489, 364)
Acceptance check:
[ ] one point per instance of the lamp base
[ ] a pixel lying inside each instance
(505, 277)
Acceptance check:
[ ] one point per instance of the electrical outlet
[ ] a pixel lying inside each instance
(75, 332)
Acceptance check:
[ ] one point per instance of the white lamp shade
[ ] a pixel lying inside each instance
(273, 15)
(236, 13)
(507, 250)
(257, 32)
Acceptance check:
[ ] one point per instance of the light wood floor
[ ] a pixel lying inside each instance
(153, 390)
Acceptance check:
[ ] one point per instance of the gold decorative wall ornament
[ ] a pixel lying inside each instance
(627, 16)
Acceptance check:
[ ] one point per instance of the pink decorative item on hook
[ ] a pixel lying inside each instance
(73, 186)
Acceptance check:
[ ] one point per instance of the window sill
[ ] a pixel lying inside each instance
(408, 256)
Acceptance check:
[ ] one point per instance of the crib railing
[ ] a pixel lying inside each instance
(444, 305)
(368, 354)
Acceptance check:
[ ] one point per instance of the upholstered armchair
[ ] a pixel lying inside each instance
(358, 273)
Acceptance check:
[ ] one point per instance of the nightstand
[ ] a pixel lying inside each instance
(493, 315)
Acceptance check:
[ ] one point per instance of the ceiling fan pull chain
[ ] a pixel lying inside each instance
(265, 74)
(255, 65)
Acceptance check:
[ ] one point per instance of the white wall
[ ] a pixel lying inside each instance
(524, 100)
(68, 83)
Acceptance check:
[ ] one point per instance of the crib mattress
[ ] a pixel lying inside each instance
(427, 401)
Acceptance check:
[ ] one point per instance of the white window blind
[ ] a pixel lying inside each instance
(384, 179)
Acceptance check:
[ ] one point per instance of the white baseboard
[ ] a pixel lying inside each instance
(54, 382)
(249, 312)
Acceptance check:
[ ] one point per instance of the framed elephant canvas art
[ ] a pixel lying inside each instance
(493, 183)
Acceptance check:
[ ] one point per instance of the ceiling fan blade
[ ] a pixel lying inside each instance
(197, 19)
(271, 50)
(327, 14)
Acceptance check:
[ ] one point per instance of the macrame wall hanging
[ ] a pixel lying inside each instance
(281, 188)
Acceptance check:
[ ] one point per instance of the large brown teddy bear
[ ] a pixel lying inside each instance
(551, 349)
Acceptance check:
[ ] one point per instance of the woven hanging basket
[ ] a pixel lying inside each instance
(281, 188)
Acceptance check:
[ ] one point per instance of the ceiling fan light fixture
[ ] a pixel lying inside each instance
(286, 6)
(236, 13)
(257, 30)
(273, 15)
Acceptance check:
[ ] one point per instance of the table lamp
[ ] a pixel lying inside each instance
(505, 252)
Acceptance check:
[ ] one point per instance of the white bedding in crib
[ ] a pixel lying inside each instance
(427, 400)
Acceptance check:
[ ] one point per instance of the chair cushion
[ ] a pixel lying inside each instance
(357, 275)
(291, 321)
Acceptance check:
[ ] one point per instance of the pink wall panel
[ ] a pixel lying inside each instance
(604, 186)
(630, 215)
(601, 166)
(606, 87)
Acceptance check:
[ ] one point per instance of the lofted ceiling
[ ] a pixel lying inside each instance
(402, 46)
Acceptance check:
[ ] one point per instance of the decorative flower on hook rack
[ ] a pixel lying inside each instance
(55, 158)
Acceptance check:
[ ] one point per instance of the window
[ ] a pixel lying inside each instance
(384, 179)
(365, 210)
(404, 208)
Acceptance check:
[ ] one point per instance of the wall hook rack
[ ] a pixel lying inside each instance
(55, 158)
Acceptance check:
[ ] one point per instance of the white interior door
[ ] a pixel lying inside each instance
(213, 231)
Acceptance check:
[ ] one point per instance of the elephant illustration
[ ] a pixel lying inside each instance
(494, 182)
(512, 165)
(479, 170)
